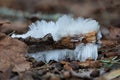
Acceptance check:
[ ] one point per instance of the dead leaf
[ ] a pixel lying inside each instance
(66, 65)
(106, 42)
(67, 74)
(5, 27)
(114, 33)
(89, 37)
(64, 62)
(12, 52)
(17, 27)
(95, 64)
(83, 64)
(113, 74)
(110, 54)
(90, 64)
(95, 73)
(6, 75)
(26, 76)
(111, 33)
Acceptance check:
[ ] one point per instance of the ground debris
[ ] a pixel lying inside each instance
(12, 52)
(15, 19)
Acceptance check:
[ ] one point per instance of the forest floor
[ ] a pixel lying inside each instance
(14, 65)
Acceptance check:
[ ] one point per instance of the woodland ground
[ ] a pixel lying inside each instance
(16, 15)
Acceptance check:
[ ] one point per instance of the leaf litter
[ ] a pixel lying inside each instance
(104, 68)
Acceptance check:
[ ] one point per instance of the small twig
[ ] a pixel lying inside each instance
(11, 33)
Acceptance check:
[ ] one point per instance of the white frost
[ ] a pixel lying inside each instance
(56, 55)
(64, 26)
(82, 52)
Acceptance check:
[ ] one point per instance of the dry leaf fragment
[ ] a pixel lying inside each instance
(90, 37)
(64, 62)
(114, 33)
(66, 65)
(18, 27)
(108, 42)
(111, 54)
(6, 75)
(113, 74)
(12, 52)
(67, 74)
(90, 63)
(95, 73)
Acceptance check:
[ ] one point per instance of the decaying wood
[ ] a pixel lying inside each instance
(47, 42)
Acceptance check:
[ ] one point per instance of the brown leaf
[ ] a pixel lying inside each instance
(111, 54)
(64, 62)
(113, 74)
(18, 27)
(12, 52)
(108, 42)
(25, 76)
(114, 33)
(89, 37)
(6, 75)
(90, 63)
(95, 64)
(5, 27)
(66, 65)
(95, 73)
(67, 74)
(83, 64)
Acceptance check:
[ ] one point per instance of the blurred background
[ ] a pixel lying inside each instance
(107, 12)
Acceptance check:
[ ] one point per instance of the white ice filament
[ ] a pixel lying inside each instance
(82, 52)
(64, 26)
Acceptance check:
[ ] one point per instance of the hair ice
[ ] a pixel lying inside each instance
(64, 26)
